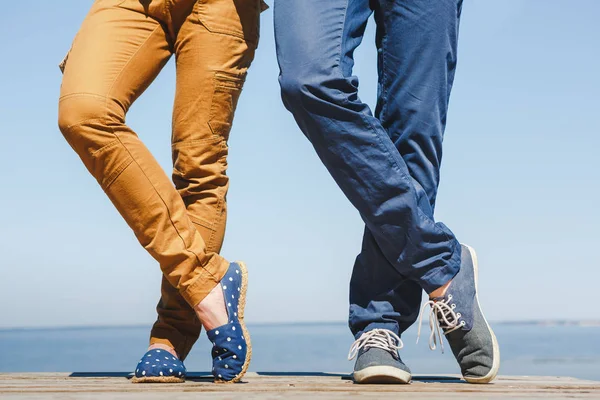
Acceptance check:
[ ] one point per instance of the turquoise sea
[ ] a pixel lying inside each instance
(526, 350)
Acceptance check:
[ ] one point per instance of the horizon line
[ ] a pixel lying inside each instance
(538, 322)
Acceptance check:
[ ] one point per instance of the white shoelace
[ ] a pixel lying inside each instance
(377, 338)
(442, 320)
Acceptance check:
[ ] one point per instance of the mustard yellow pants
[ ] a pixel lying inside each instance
(120, 48)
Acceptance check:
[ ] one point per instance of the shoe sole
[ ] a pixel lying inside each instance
(382, 374)
(490, 376)
(157, 379)
(242, 307)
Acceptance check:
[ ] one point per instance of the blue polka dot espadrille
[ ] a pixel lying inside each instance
(159, 366)
(232, 349)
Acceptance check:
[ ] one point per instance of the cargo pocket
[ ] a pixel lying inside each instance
(226, 93)
(239, 18)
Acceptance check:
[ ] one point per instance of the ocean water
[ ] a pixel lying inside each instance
(525, 350)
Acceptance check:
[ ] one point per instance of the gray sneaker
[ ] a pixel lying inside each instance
(458, 314)
(378, 360)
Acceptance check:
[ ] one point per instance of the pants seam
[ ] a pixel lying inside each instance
(110, 89)
(85, 94)
(384, 91)
(342, 36)
(86, 121)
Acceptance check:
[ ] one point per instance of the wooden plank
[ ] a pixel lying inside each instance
(265, 385)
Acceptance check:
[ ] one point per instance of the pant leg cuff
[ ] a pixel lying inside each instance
(171, 340)
(207, 279)
(441, 276)
(390, 326)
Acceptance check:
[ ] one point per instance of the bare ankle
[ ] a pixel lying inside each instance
(439, 292)
(211, 311)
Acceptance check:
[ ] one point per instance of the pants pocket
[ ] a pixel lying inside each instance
(97, 3)
(63, 63)
(226, 93)
(239, 18)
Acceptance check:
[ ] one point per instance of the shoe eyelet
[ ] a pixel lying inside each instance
(462, 323)
(453, 306)
(450, 297)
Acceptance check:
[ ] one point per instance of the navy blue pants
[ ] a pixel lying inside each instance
(386, 164)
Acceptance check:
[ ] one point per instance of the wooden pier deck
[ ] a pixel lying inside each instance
(272, 385)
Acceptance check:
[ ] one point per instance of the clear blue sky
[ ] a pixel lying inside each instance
(520, 179)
